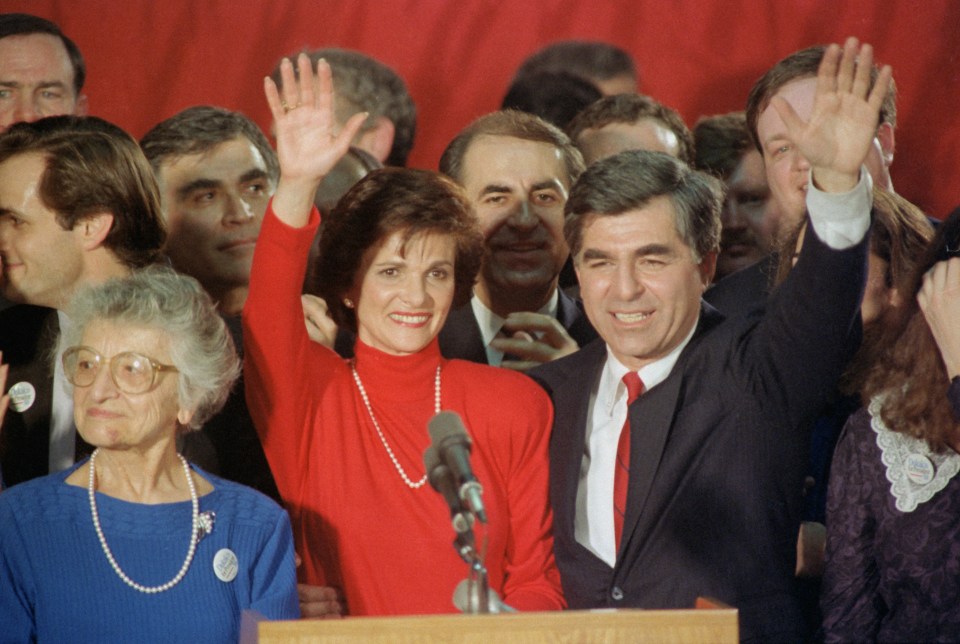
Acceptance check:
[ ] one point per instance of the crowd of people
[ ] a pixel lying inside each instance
(718, 362)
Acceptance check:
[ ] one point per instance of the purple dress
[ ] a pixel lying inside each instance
(893, 544)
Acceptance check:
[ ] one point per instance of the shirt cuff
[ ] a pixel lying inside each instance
(841, 219)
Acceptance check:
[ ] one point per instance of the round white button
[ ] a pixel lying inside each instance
(919, 469)
(22, 396)
(225, 565)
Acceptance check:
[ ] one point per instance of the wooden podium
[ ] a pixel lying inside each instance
(712, 623)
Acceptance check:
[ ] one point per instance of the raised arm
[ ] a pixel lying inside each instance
(308, 144)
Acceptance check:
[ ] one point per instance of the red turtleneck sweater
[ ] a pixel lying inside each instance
(357, 525)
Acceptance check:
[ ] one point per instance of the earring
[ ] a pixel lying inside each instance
(347, 302)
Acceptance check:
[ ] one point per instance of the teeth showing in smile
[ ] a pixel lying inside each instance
(409, 319)
(632, 317)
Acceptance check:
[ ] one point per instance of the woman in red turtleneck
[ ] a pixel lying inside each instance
(345, 439)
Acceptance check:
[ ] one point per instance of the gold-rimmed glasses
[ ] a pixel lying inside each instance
(132, 373)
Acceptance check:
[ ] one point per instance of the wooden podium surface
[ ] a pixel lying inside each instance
(608, 626)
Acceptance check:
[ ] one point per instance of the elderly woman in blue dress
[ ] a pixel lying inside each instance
(134, 544)
(893, 508)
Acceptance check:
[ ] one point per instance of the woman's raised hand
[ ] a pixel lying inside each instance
(309, 142)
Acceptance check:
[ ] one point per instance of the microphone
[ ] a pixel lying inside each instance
(452, 442)
(441, 480)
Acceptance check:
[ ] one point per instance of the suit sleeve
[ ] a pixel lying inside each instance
(811, 327)
(849, 597)
(282, 367)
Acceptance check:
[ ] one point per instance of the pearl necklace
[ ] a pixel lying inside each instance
(383, 439)
(106, 549)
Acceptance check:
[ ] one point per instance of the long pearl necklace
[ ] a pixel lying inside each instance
(106, 549)
(383, 439)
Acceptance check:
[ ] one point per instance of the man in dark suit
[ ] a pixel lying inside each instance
(517, 170)
(78, 206)
(703, 494)
(216, 173)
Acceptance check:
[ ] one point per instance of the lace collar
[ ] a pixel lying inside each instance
(916, 473)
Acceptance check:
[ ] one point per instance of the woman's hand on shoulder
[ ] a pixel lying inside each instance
(939, 299)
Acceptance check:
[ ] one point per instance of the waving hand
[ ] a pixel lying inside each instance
(836, 138)
(308, 143)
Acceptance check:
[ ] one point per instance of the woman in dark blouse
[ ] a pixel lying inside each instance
(893, 511)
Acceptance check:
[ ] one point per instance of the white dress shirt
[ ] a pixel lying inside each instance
(63, 432)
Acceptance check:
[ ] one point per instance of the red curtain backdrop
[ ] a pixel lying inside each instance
(149, 59)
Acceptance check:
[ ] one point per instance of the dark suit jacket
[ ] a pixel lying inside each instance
(718, 453)
(746, 289)
(460, 336)
(28, 337)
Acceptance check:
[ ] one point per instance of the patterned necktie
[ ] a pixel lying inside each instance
(621, 474)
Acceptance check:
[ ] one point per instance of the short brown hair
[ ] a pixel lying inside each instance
(382, 203)
(519, 125)
(720, 142)
(630, 108)
(589, 59)
(630, 179)
(799, 65)
(92, 167)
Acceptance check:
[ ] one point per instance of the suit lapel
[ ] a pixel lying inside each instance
(568, 442)
(460, 336)
(651, 419)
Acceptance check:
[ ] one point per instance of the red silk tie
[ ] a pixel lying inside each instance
(621, 474)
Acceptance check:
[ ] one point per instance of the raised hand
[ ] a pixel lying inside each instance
(525, 329)
(939, 299)
(308, 141)
(846, 110)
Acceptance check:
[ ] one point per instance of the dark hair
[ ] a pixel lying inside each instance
(630, 108)
(630, 179)
(720, 142)
(364, 84)
(591, 60)
(385, 202)
(556, 97)
(92, 167)
(798, 65)
(24, 24)
(516, 124)
(909, 372)
(199, 129)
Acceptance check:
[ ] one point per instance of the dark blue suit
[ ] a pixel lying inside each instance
(718, 453)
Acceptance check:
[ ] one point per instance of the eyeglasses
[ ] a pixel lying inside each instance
(132, 373)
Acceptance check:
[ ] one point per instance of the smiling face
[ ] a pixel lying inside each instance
(639, 281)
(406, 292)
(42, 262)
(36, 80)
(214, 203)
(109, 418)
(518, 189)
